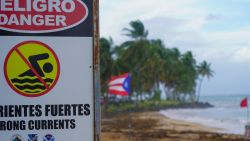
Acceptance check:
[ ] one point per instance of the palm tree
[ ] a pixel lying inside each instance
(137, 30)
(134, 53)
(188, 76)
(152, 69)
(106, 62)
(204, 70)
(172, 69)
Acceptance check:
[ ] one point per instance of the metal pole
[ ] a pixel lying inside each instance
(97, 116)
(247, 112)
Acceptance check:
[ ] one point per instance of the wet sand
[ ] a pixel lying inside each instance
(152, 126)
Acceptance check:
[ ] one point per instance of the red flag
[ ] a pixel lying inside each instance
(244, 103)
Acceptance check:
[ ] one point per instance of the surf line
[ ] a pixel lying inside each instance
(32, 69)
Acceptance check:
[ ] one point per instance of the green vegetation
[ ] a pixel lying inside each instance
(151, 65)
(144, 106)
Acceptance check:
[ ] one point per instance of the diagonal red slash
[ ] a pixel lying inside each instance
(31, 67)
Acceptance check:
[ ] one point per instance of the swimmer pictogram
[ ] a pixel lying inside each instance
(32, 68)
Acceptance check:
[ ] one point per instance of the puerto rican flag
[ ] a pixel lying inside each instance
(120, 85)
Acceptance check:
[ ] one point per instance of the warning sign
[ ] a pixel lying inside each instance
(31, 68)
(30, 16)
(49, 77)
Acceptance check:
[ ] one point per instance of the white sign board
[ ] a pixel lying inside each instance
(46, 81)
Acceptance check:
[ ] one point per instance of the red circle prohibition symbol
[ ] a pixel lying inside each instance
(38, 74)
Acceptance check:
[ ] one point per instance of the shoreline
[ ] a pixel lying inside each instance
(148, 126)
(182, 125)
(194, 105)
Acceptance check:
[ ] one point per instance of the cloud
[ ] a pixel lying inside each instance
(214, 17)
(240, 0)
(241, 55)
(214, 32)
(115, 15)
(179, 23)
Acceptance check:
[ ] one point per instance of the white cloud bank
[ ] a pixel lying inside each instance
(242, 55)
(182, 24)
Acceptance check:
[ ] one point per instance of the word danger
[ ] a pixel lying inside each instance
(35, 6)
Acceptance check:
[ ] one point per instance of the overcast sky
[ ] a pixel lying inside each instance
(217, 31)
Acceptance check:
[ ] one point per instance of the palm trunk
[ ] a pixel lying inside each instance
(106, 100)
(199, 90)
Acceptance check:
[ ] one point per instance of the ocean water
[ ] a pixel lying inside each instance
(227, 115)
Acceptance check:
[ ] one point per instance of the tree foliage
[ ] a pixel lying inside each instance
(151, 65)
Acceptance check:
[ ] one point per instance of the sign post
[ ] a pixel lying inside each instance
(97, 72)
(49, 82)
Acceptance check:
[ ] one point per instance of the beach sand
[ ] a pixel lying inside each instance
(152, 126)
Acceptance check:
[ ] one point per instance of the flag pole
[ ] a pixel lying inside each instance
(247, 112)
